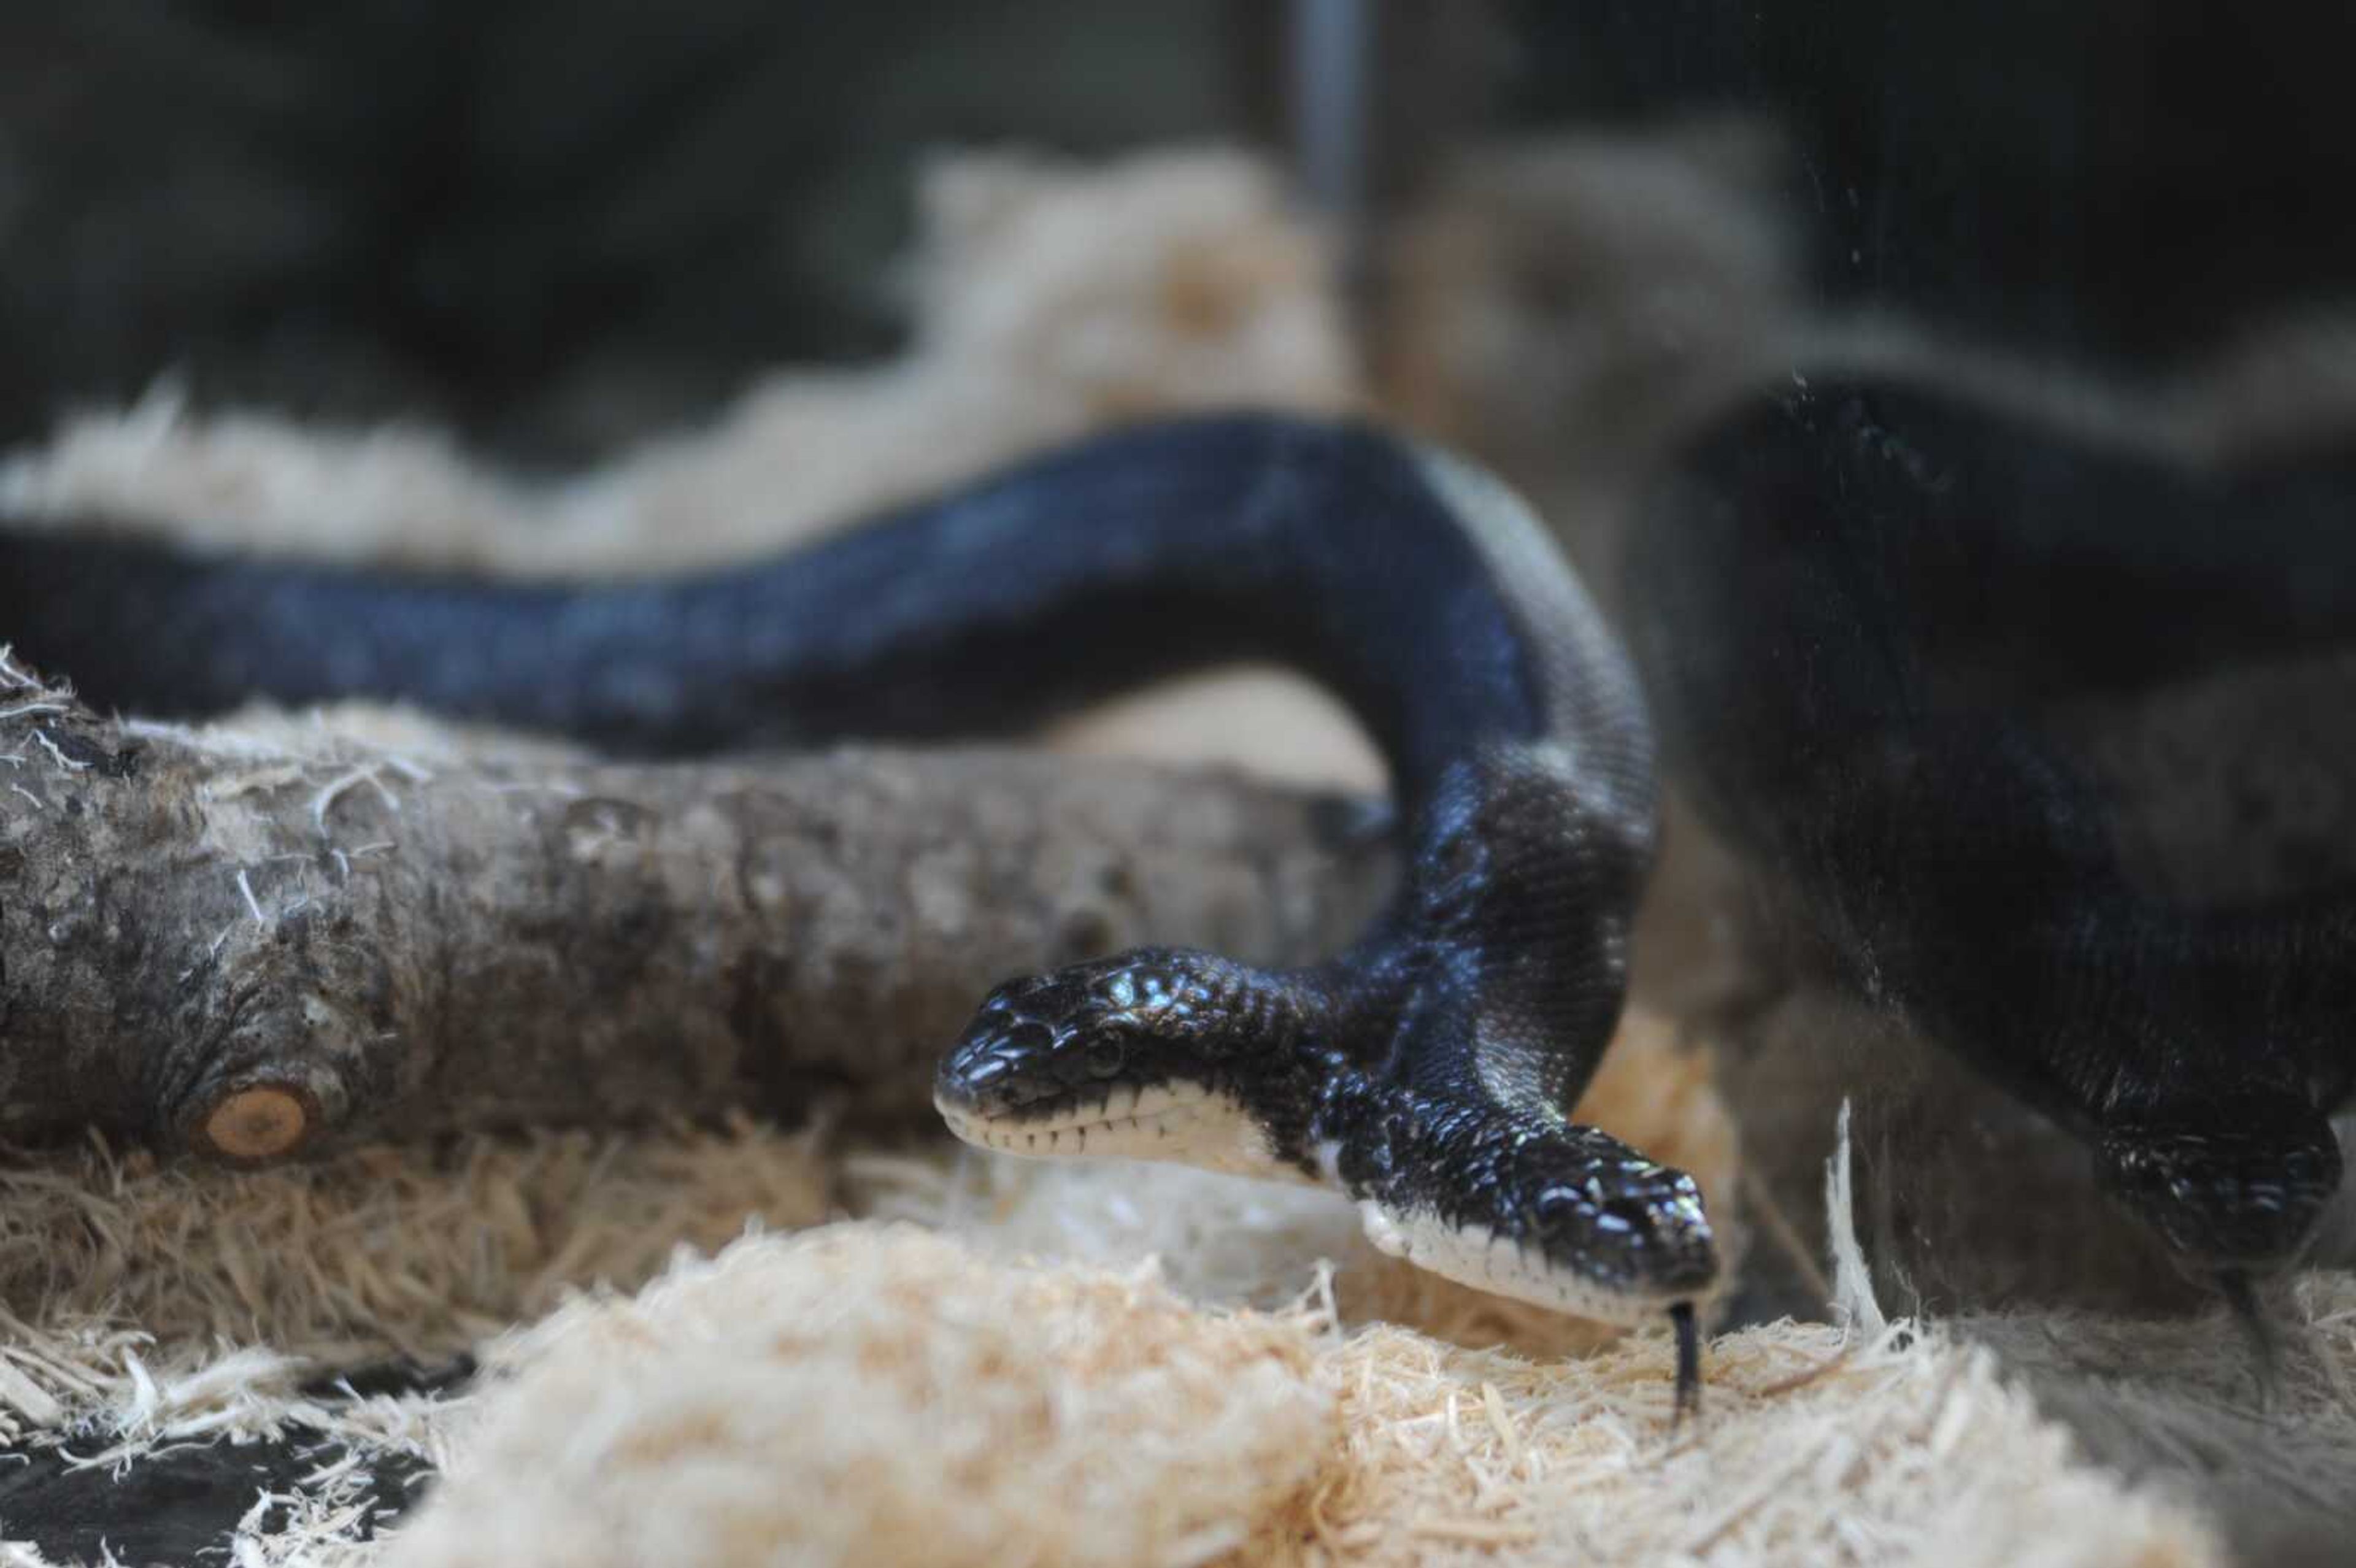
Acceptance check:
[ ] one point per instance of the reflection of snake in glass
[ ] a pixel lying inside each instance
(1425, 1072)
(1879, 628)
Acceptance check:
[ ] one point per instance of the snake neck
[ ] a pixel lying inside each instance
(1501, 972)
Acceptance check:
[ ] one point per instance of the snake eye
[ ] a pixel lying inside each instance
(1557, 1203)
(1028, 1038)
(1105, 1058)
(1630, 1216)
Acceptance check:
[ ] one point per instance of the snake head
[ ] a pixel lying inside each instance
(1639, 1228)
(2232, 1184)
(1134, 1056)
(1537, 1209)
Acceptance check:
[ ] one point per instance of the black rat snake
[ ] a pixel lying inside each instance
(1866, 615)
(1425, 1072)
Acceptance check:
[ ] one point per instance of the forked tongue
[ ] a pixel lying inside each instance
(2242, 1300)
(1689, 1331)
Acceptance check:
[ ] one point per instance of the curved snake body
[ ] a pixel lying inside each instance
(1425, 1072)
(1880, 621)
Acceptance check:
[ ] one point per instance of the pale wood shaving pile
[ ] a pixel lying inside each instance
(887, 1395)
(163, 1304)
(1421, 1422)
(862, 1395)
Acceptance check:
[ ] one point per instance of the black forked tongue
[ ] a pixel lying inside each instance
(2257, 1331)
(1681, 1318)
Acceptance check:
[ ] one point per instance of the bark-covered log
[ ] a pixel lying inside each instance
(254, 946)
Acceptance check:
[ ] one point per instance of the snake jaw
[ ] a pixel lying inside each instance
(1180, 1123)
(1519, 1268)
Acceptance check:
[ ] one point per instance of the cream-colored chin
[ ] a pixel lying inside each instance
(1478, 1256)
(1181, 1125)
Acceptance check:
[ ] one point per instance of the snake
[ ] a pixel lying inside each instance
(1886, 625)
(1426, 1071)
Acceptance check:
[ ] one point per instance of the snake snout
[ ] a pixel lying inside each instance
(2241, 1187)
(1040, 1043)
(1659, 1230)
(1648, 1229)
(1005, 1061)
(1635, 1228)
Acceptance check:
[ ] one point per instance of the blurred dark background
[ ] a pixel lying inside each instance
(2129, 179)
(558, 223)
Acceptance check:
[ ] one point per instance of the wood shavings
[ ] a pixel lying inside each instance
(881, 1396)
(1852, 1295)
(334, 790)
(1813, 1448)
(372, 1253)
(1580, 1464)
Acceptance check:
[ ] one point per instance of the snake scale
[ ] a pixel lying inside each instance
(1425, 1071)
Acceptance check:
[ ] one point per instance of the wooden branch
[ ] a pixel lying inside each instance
(252, 945)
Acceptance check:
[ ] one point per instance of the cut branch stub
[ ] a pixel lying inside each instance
(257, 1123)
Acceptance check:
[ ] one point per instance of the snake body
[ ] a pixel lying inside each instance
(1425, 1072)
(1881, 623)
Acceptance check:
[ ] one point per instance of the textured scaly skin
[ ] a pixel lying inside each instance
(1426, 1071)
